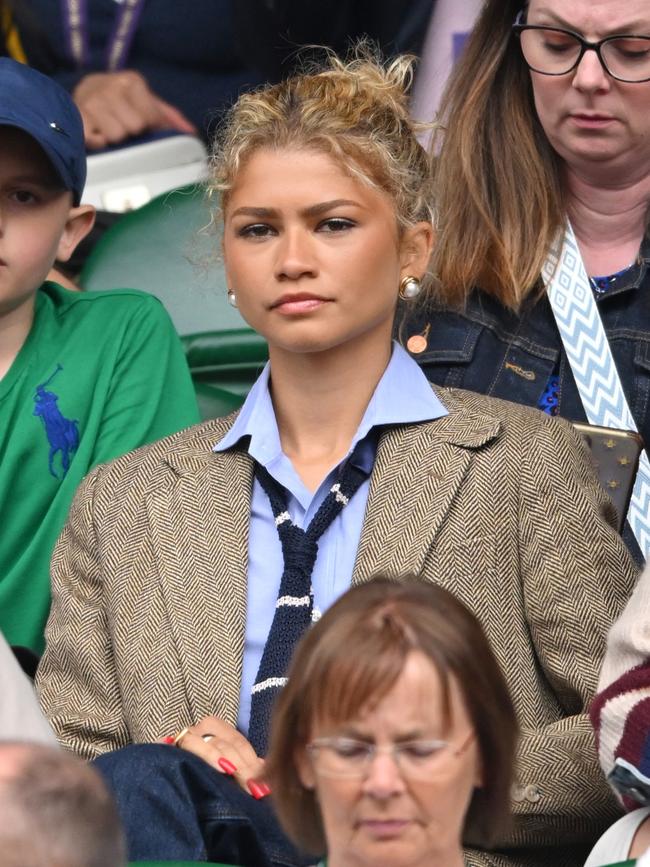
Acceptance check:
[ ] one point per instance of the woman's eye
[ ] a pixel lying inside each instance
(556, 47)
(335, 224)
(350, 749)
(255, 230)
(422, 750)
(629, 50)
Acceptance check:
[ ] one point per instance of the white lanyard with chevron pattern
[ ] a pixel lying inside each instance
(594, 370)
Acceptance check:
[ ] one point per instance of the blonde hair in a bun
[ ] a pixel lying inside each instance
(355, 110)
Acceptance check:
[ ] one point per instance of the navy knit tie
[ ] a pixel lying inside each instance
(294, 607)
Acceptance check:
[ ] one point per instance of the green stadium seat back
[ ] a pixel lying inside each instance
(215, 402)
(224, 365)
(169, 248)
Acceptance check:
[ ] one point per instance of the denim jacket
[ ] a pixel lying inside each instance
(491, 350)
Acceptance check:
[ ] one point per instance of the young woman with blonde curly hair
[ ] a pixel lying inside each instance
(189, 569)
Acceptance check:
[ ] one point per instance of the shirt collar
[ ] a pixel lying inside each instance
(403, 396)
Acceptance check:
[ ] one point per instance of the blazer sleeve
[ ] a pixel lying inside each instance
(577, 575)
(76, 679)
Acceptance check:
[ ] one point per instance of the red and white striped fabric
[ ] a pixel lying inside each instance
(620, 713)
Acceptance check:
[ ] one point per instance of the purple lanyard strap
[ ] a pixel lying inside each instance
(75, 18)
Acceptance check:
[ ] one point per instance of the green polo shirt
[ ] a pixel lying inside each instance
(98, 375)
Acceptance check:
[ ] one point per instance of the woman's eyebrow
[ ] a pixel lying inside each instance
(322, 207)
(351, 731)
(311, 211)
(255, 212)
(627, 28)
(415, 734)
(362, 734)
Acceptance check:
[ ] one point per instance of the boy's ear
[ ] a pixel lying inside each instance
(80, 221)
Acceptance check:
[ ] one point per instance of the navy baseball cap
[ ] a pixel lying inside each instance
(36, 104)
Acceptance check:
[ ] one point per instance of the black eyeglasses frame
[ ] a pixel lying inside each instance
(518, 27)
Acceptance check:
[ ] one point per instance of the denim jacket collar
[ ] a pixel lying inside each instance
(632, 278)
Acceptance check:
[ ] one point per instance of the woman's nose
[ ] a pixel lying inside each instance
(590, 74)
(296, 256)
(384, 777)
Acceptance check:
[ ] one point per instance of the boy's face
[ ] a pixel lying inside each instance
(37, 220)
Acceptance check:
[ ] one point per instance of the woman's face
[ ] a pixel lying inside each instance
(393, 817)
(313, 255)
(588, 116)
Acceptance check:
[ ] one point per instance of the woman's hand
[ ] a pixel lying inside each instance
(220, 744)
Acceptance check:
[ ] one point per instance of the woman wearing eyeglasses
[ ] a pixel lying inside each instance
(545, 122)
(394, 738)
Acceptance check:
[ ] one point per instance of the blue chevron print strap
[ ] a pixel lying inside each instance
(592, 363)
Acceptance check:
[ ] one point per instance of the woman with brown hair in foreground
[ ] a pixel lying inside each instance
(394, 738)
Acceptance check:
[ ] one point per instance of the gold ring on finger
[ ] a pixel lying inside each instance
(178, 738)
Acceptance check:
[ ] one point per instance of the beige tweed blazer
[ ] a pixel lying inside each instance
(494, 501)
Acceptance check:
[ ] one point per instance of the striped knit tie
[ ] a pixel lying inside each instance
(293, 610)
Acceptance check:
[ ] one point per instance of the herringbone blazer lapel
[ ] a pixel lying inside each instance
(200, 532)
(417, 472)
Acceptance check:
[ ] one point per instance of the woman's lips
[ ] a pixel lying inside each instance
(385, 829)
(290, 305)
(592, 121)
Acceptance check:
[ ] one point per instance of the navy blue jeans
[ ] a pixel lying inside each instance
(175, 806)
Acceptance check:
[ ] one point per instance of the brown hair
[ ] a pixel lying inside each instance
(497, 190)
(56, 810)
(354, 655)
(355, 111)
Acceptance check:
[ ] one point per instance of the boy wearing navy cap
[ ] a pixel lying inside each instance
(42, 173)
(83, 377)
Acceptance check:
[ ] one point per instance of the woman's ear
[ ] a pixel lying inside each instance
(80, 221)
(415, 249)
(305, 768)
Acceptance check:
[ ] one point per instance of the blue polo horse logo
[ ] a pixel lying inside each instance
(62, 433)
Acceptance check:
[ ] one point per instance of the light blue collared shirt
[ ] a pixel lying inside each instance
(403, 396)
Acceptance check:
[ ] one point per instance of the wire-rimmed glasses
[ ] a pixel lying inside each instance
(554, 51)
(349, 757)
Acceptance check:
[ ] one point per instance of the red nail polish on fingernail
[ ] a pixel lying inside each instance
(266, 789)
(169, 740)
(256, 790)
(227, 766)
